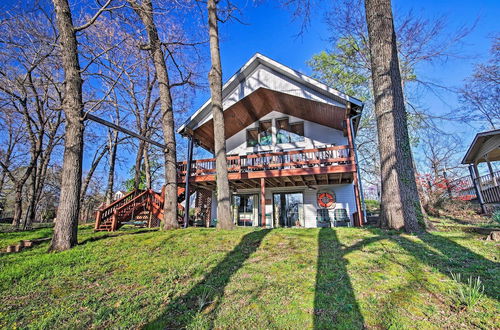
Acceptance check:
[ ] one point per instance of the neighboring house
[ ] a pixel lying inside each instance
(289, 143)
(485, 148)
(119, 194)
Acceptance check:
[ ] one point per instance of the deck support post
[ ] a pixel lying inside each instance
(263, 201)
(477, 186)
(187, 194)
(361, 211)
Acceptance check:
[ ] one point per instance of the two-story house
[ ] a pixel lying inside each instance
(290, 147)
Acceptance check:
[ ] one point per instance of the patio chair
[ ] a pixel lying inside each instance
(323, 218)
(341, 218)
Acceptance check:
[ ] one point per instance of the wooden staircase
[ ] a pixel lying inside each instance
(139, 207)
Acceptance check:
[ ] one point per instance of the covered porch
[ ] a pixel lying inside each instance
(485, 148)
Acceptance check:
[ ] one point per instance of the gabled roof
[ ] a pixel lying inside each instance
(485, 144)
(311, 89)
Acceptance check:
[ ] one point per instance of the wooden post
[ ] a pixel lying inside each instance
(187, 194)
(490, 169)
(477, 186)
(98, 219)
(263, 201)
(114, 222)
(359, 221)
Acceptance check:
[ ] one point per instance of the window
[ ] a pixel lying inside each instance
(289, 133)
(265, 133)
(252, 137)
(261, 136)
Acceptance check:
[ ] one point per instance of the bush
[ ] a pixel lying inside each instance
(496, 216)
(372, 206)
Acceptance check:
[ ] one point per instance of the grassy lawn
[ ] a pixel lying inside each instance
(344, 278)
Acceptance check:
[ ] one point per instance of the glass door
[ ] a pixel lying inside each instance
(288, 209)
(244, 210)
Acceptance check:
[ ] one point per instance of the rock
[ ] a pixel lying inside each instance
(494, 236)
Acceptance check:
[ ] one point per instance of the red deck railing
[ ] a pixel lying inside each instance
(319, 157)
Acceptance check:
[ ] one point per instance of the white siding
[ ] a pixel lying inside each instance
(265, 77)
(344, 194)
(316, 136)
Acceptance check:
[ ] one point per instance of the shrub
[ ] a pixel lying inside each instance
(496, 216)
(372, 206)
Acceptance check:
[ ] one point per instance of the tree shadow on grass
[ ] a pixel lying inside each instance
(452, 257)
(207, 295)
(335, 304)
(115, 234)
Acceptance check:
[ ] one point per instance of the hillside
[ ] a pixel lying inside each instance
(282, 278)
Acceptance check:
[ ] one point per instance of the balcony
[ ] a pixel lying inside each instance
(311, 166)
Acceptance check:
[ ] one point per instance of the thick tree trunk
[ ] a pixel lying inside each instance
(400, 205)
(66, 226)
(145, 12)
(215, 79)
(113, 146)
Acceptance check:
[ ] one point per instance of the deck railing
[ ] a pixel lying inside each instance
(328, 156)
(463, 188)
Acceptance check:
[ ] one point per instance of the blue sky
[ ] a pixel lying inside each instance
(270, 31)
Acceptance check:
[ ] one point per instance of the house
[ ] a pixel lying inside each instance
(290, 150)
(485, 148)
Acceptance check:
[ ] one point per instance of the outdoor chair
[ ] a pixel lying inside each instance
(341, 218)
(323, 218)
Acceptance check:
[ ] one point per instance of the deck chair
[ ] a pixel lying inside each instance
(341, 218)
(323, 218)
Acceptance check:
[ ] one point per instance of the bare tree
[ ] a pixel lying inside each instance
(145, 11)
(66, 226)
(29, 85)
(481, 93)
(224, 220)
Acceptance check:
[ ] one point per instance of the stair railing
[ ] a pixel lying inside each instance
(105, 213)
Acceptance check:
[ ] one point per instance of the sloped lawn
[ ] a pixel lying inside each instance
(283, 278)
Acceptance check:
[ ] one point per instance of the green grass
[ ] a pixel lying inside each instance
(345, 278)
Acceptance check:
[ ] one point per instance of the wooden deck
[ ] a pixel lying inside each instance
(290, 168)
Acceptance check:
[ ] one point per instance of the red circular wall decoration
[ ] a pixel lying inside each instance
(326, 199)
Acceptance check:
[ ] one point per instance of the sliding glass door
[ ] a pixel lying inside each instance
(288, 209)
(244, 210)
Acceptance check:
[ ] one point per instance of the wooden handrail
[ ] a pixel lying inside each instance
(266, 161)
(118, 200)
(270, 154)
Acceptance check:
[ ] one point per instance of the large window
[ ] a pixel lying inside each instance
(286, 132)
(289, 133)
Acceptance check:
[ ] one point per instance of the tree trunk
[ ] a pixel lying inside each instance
(18, 206)
(147, 168)
(90, 174)
(66, 226)
(113, 146)
(145, 12)
(400, 205)
(30, 214)
(138, 164)
(215, 79)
